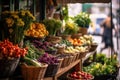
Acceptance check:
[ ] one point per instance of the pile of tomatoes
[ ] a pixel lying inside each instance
(78, 75)
(9, 50)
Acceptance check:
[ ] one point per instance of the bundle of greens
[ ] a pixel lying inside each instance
(32, 55)
(52, 26)
(82, 19)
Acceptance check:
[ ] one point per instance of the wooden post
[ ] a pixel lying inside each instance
(16, 4)
(34, 7)
(42, 9)
(0, 8)
(78, 67)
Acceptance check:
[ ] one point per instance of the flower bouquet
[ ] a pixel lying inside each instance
(70, 28)
(9, 57)
(14, 23)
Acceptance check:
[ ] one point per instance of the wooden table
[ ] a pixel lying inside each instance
(77, 65)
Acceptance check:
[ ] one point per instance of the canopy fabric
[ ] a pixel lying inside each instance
(83, 1)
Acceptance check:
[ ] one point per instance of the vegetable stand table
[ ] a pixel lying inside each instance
(77, 65)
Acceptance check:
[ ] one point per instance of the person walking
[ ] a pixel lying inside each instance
(107, 39)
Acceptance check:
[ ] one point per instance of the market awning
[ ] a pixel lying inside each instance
(83, 1)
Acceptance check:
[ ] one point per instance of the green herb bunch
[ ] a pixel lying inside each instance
(52, 25)
(82, 19)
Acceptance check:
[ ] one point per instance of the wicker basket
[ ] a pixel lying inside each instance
(74, 57)
(83, 54)
(51, 70)
(77, 56)
(76, 35)
(83, 31)
(66, 37)
(65, 62)
(7, 67)
(71, 58)
(93, 47)
(32, 72)
(60, 50)
(53, 39)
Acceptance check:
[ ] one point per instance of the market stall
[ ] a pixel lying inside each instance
(45, 50)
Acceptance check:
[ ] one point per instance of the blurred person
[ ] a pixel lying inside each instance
(107, 34)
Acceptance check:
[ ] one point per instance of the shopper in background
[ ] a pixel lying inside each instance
(107, 34)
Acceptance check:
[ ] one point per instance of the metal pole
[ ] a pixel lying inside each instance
(118, 35)
(111, 26)
(118, 19)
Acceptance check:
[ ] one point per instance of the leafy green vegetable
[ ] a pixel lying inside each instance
(82, 19)
(102, 66)
(66, 42)
(33, 52)
(97, 69)
(32, 62)
(52, 26)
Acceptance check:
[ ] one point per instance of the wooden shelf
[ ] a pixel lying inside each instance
(88, 55)
(76, 64)
(48, 78)
(63, 70)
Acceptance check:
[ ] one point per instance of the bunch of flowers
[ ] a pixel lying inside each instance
(10, 51)
(70, 28)
(14, 23)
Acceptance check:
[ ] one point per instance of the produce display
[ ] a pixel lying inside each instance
(82, 19)
(102, 66)
(78, 75)
(46, 46)
(37, 30)
(32, 62)
(14, 23)
(66, 42)
(86, 39)
(46, 42)
(33, 52)
(10, 51)
(76, 49)
(52, 26)
(82, 40)
(70, 28)
(76, 42)
(49, 59)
